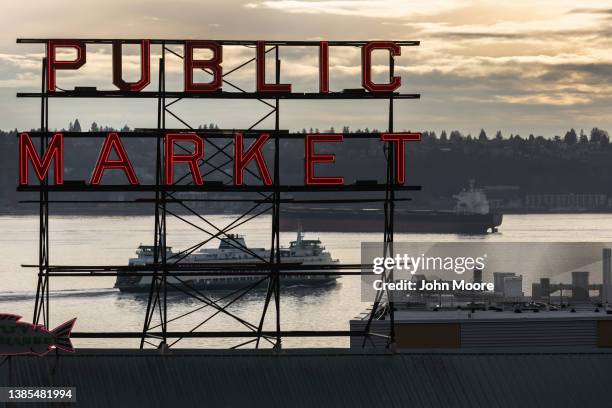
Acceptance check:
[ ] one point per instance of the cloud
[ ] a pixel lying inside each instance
(521, 66)
(591, 11)
(360, 8)
(555, 99)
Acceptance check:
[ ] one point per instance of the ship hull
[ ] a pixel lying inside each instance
(441, 222)
(234, 283)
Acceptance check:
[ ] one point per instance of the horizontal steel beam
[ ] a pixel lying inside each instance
(189, 334)
(196, 274)
(229, 268)
(207, 134)
(170, 41)
(219, 200)
(94, 93)
(214, 187)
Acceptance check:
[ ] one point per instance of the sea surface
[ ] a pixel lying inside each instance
(91, 240)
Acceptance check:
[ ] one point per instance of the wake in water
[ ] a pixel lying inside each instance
(26, 295)
(67, 293)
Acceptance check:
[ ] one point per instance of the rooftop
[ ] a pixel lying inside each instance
(324, 377)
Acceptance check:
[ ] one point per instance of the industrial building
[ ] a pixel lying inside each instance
(506, 318)
(490, 329)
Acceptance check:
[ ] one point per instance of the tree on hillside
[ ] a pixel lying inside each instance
(599, 136)
(74, 127)
(571, 138)
(482, 136)
(498, 135)
(455, 136)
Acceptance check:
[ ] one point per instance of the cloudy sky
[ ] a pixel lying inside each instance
(526, 66)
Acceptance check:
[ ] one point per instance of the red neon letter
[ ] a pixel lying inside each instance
(323, 67)
(366, 66)
(261, 73)
(191, 159)
(398, 139)
(242, 160)
(145, 68)
(27, 151)
(312, 158)
(211, 66)
(53, 64)
(122, 162)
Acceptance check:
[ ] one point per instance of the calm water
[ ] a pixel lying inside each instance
(112, 240)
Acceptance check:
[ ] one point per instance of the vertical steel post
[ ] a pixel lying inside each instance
(159, 239)
(41, 305)
(274, 278)
(276, 212)
(391, 183)
(164, 315)
(389, 212)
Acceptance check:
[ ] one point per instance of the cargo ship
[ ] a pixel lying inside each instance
(471, 215)
(233, 251)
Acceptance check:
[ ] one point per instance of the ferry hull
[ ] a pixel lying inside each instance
(404, 221)
(235, 283)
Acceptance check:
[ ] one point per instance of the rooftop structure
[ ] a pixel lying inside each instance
(530, 327)
(326, 377)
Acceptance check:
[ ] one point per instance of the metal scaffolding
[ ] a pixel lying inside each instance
(268, 199)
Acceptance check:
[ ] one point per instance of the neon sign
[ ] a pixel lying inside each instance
(53, 153)
(213, 65)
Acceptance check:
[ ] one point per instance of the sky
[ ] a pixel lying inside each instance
(526, 66)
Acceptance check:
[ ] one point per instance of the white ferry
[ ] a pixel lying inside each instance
(233, 250)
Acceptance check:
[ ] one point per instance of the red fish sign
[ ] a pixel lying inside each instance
(17, 337)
